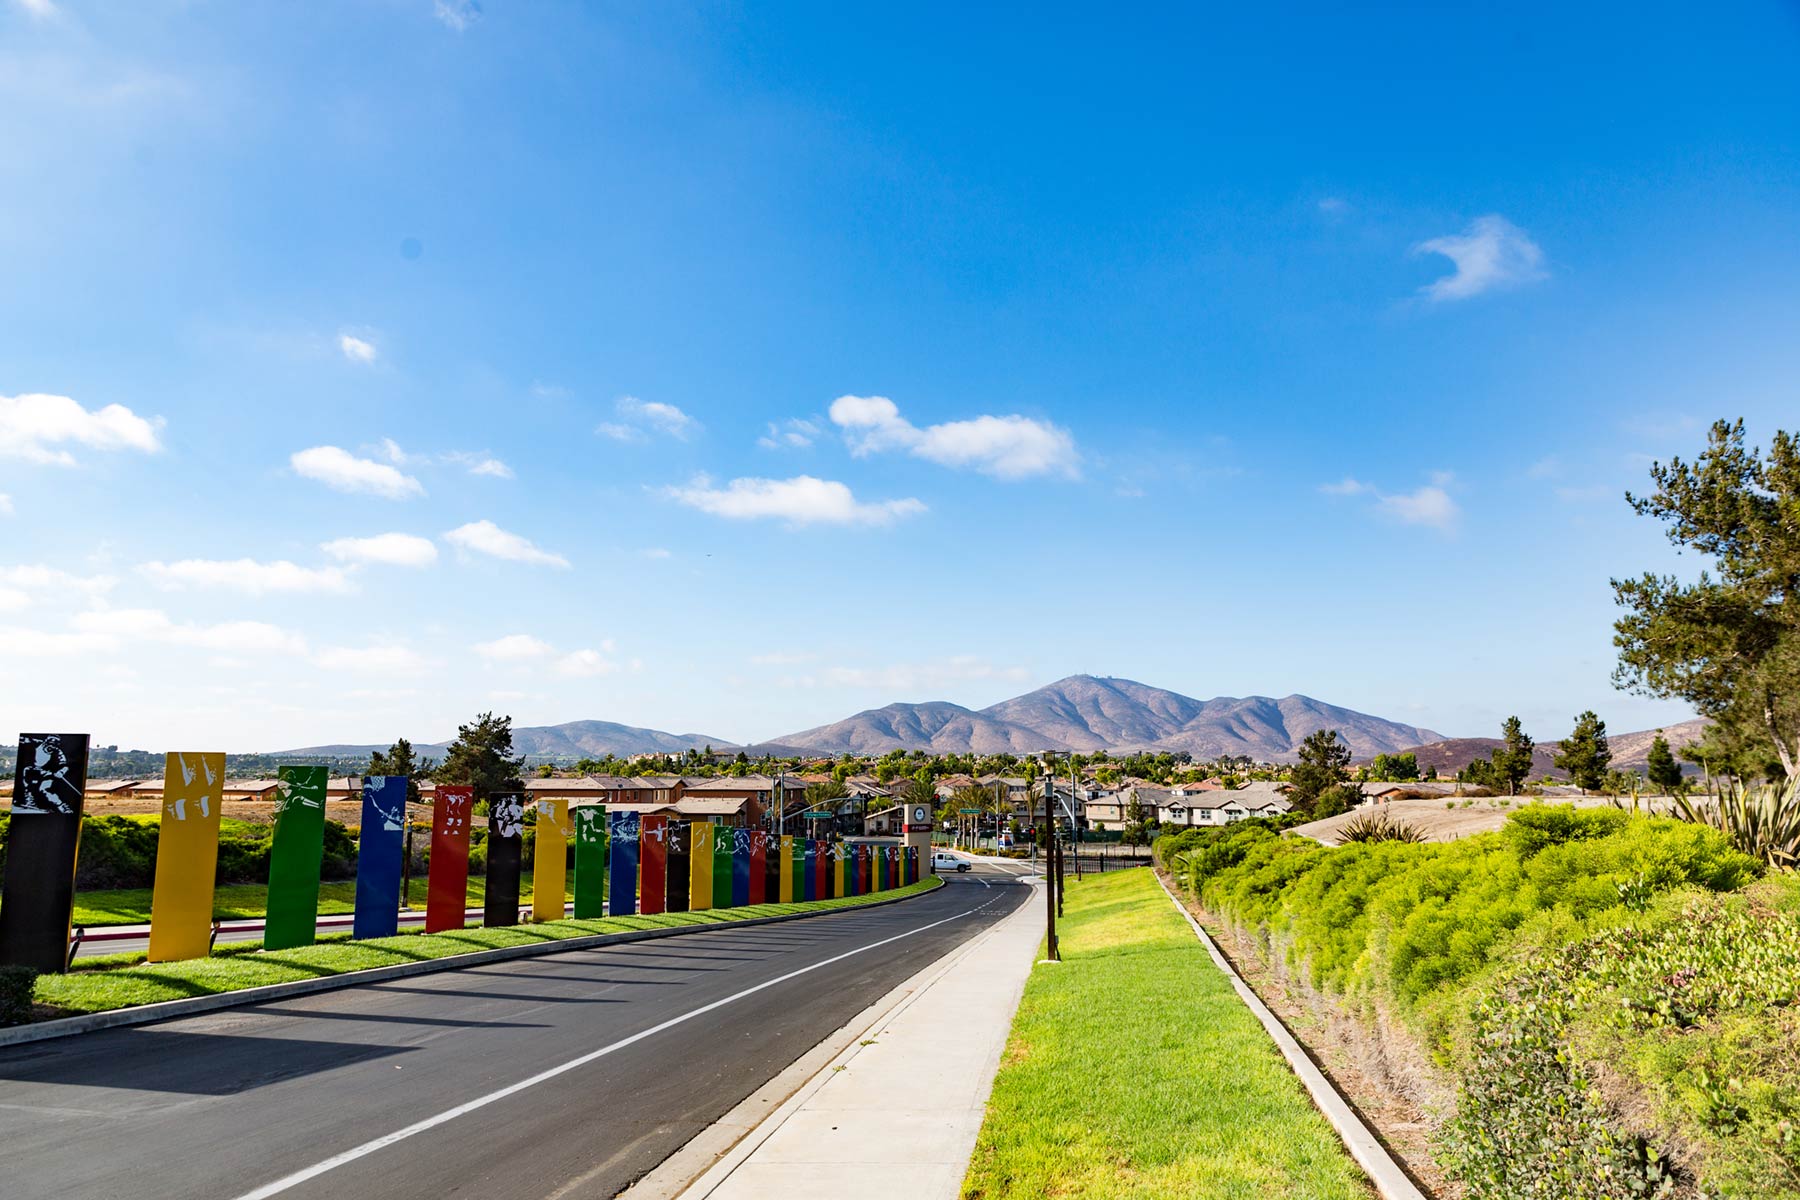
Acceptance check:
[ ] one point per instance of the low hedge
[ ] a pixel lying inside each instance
(1610, 998)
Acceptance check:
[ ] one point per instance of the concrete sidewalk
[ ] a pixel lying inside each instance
(896, 1114)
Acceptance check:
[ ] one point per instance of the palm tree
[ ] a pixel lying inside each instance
(821, 795)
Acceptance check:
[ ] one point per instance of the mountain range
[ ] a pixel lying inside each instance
(1087, 713)
(1082, 712)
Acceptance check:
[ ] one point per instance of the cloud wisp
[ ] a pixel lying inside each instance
(1008, 447)
(1492, 253)
(523, 648)
(357, 350)
(342, 471)
(802, 500)
(387, 549)
(248, 576)
(1430, 505)
(36, 427)
(640, 419)
(487, 538)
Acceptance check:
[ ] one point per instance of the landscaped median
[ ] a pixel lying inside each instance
(102, 984)
(1134, 1070)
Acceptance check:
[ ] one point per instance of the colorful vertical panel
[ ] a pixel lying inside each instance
(740, 868)
(622, 901)
(762, 865)
(550, 858)
(791, 865)
(37, 899)
(700, 865)
(447, 887)
(809, 870)
(591, 821)
(724, 869)
(447, 884)
(653, 832)
(187, 857)
(839, 870)
(295, 858)
(505, 858)
(678, 839)
(378, 851)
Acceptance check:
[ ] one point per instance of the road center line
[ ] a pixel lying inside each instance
(450, 1114)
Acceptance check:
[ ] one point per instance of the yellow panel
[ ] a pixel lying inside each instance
(700, 865)
(187, 855)
(786, 895)
(550, 860)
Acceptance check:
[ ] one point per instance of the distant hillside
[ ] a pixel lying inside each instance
(936, 725)
(1087, 713)
(1630, 750)
(573, 740)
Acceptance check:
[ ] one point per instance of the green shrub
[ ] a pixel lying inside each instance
(17, 986)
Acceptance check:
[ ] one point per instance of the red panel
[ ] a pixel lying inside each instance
(653, 862)
(759, 865)
(447, 890)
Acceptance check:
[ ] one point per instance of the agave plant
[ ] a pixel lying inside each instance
(1378, 827)
(1763, 822)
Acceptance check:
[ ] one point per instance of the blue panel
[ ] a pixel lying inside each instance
(740, 867)
(378, 856)
(622, 834)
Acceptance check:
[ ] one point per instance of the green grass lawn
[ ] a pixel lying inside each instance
(1133, 1070)
(243, 901)
(119, 981)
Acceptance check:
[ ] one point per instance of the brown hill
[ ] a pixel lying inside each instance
(1630, 750)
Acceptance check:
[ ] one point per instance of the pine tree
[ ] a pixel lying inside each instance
(1324, 762)
(482, 755)
(1585, 753)
(1665, 772)
(1512, 762)
(400, 760)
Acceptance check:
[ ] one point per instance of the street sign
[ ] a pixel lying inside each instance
(971, 812)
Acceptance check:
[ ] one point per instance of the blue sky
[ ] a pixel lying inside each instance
(730, 369)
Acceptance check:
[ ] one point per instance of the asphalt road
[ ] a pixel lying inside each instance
(565, 1076)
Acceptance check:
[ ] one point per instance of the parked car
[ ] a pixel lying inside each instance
(948, 862)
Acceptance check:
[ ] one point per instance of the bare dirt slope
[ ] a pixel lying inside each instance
(1446, 818)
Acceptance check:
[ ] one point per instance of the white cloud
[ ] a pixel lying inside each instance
(390, 658)
(43, 10)
(779, 659)
(802, 500)
(485, 537)
(1491, 253)
(514, 647)
(491, 467)
(154, 625)
(1430, 505)
(17, 642)
(1008, 447)
(6, 505)
(390, 450)
(793, 433)
(34, 426)
(12, 599)
(247, 575)
(356, 349)
(390, 549)
(457, 14)
(53, 583)
(585, 664)
(339, 469)
(640, 418)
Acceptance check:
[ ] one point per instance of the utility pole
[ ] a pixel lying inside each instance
(1074, 816)
(1059, 876)
(1050, 902)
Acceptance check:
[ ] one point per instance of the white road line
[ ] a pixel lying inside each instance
(450, 1114)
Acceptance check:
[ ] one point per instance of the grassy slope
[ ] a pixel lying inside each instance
(1134, 1070)
(99, 984)
(244, 901)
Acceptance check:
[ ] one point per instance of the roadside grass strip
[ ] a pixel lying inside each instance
(250, 901)
(103, 983)
(1133, 1070)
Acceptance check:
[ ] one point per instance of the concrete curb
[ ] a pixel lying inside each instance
(145, 1014)
(1389, 1178)
(701, 1166)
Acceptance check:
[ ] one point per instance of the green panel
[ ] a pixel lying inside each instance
(295, 858)
(723, 843)
(590, 861)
